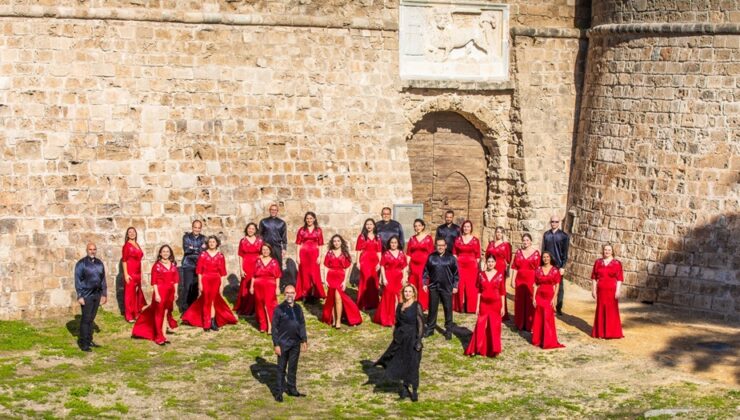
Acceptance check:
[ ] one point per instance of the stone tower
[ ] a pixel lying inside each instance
(657, 158)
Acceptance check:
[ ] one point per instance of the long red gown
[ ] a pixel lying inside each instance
(486, 339)
(524, 287)
(133, 296)
(418, 252)
(607, 323)
(149, 323)
(211, 268)
(335, 278)
(468, 255)
(308, 281)
(385, 315)
(265, 282)
(502, 253)
(249, 251)
(368, 288)
(544, 333)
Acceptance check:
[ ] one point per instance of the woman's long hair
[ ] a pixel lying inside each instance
(172, 254)
(136, 238)
(315, 220)
(344, 246)
(256, 229)
(365, 232)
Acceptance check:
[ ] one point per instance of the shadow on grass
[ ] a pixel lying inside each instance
(703, 350)
(576, 322)
(265, 373)
(376, 377)
(463, 334)
(231, 289)
(73, 326)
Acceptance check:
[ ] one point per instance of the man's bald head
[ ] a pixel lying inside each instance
(92, 249)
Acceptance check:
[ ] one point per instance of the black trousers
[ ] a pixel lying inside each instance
(89, 310)
(561, 293)
(288, 358)
(189, 288)
(435, 296)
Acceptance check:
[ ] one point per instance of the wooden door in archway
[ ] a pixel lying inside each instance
(448, 169)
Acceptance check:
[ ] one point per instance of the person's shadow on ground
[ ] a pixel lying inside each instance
(265, 372)
(73, 326)
(376, 377)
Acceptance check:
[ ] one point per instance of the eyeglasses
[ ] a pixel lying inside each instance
(554, 221)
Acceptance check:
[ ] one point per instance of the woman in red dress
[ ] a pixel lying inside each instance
(368, 250)
(165, 276)
(491, 284)
(467, 250)
(265, 287)
(606, 280)
(501, 250)
(392, 273)
(526, 260)
(249, 251)
(546, 282)
(133, 296)
(210, 311)
(309, 238)
(338, 305)
(418, 249)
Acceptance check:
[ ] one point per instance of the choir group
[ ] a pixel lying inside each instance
(448, 268)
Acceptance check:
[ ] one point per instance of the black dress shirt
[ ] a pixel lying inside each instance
(449, 234)
(274, 231)
(288, 325)
(557, 245)
(440, 272)
(90, 278)
(389, 229)
(192, 246)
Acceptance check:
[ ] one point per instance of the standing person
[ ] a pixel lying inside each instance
(491, 284)
(501, 250)
(193, 243)
(338, 305)
(274, 231)
(448, 231)
(92, 291)
(606, 280)
(131, 256)
(526, 260)
(368, 250)
(210, 311)
(165, 276)
(556, 242)
(393, 269)
(403, 357)
(467, 251)
(440, 280)
(309, 238)
(265, 287)
(289, 339)
(546, 281)
(388, 228)
(418, 249)
(249, 250)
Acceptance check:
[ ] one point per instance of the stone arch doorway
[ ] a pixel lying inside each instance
(448, 169)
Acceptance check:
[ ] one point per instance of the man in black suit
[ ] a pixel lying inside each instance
(289, 338)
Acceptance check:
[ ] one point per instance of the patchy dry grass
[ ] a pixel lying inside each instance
(227, 374)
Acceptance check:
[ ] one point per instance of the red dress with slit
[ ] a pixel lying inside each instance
(544, 333)
(468, 255)
(607, 323)
(211, 269)
(335, 278)
(149, 323)
(486, 339)
(368, 287)
(249, 252)
(266, 277)
(133, 297)
(502, 253)
(418, 252)
(385, 315)
(524, 288)
(308, 280)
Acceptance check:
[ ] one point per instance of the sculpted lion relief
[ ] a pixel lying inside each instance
(470, 34)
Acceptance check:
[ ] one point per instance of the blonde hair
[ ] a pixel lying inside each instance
(412, 288)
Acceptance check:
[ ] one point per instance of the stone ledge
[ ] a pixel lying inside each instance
(457, 85)
(548, 32)
(172, 16)
(666, 28)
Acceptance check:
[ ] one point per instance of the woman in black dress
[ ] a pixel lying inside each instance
(403, 357)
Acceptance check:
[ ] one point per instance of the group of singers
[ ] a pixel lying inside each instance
(446, 269)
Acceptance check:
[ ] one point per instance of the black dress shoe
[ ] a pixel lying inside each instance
(94, 344)
(428, 333)
(559, 312)
(86, 349)
(214, 326)
(295, 393)
(403, 393)
(414, 395)
(279, 397)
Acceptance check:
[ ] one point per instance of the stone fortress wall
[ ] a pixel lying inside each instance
(154, 113)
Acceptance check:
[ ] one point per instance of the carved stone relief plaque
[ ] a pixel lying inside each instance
(458, 40)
